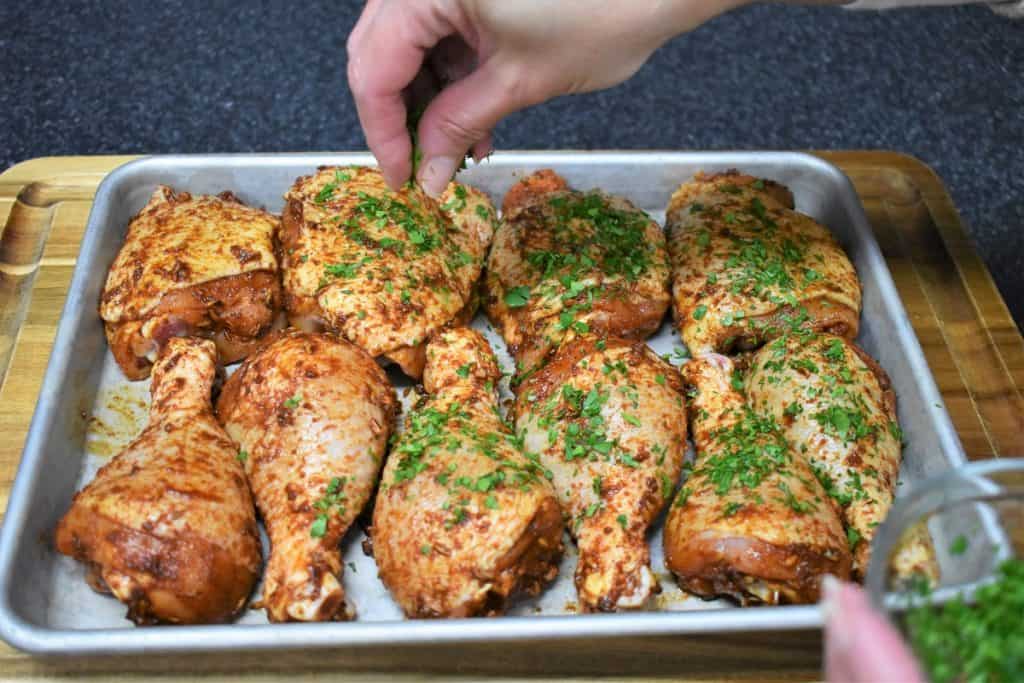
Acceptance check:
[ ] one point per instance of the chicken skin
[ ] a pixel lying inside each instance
(312, 415)
(751, 522)
(168, 525)
(463, 518)
(606, 417)
(566, 261)
(192, 266)
(746, 267)
(382, 269)
(837, 408)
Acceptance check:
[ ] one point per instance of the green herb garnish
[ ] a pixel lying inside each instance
(972, 639)
(517, 297)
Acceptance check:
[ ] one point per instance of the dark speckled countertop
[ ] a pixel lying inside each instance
(946, 85)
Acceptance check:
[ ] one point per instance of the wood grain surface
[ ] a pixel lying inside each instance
(972, 344)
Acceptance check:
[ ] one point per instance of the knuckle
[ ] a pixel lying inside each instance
(522, 86)
(351, 42)
(352, 73)
(461, 131)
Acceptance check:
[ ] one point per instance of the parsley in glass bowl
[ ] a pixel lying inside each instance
(965, 622)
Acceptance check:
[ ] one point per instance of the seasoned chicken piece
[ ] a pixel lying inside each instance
(746, 267)
(572, 261)
(463, 518)
(914, 556)
(192, 266)
(383, 269)
(168, 525)
(836, 406)
(607, 418)
(312, 414)
(751, 522)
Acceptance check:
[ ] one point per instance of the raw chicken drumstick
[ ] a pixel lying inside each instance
(607, 417)
(463, 518)
(837, 408)
(751, 522)
(312, 415)
(168, 525)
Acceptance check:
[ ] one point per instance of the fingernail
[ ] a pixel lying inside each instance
(393, 180)
(481, 152)
(435, 175)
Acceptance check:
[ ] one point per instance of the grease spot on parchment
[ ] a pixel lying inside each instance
(120, 413)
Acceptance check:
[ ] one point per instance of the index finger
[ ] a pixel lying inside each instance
(385, 52)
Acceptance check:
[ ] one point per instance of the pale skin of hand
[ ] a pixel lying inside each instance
(476, 61)
(861, 646)
(499, 57)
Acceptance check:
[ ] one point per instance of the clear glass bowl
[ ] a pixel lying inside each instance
(975, 519)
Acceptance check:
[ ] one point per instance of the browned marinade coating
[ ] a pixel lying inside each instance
(751, 522)
(192, 266)
(606, 417)
(836, 406)
(383, 269)
(463, 519)
(312, 415)
(168, 525)
(565, 262)
(746, 267)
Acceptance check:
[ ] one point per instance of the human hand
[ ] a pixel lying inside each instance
(475, 61)
(861, 646)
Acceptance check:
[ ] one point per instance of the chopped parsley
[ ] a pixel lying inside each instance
(980, 638)
(744, 454)
(424, 435)
(700, 312)
(683, 496)
(343, 270)
(293, 402)
(458, 202)
(848, 423)
(958, 546)
(425, 234)
(517, 297)
(666, 485)
(333, 500)
(731, 509)
(326, 193)
(736, 380)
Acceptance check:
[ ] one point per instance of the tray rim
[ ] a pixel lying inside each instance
(37, 639)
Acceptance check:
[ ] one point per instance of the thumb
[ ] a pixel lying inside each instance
(463, 115)
(861, 646)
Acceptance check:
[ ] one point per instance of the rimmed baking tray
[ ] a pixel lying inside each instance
(86, 411)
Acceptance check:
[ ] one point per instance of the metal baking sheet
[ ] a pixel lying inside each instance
(87, 412)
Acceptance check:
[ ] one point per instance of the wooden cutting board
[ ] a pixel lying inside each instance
(973, 347)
